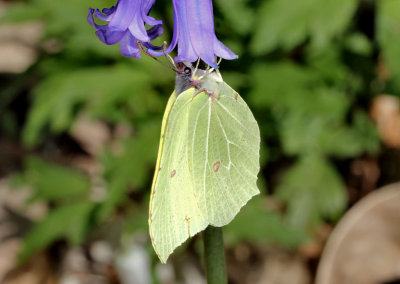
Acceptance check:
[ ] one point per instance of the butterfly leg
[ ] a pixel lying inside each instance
(211, 94)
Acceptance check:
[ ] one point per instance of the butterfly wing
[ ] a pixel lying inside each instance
(207, 167)
(174, 212)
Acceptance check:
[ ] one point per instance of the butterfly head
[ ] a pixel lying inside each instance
(187, 76)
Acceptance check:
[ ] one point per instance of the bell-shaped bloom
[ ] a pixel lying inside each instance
(194, 33)
(126, 25)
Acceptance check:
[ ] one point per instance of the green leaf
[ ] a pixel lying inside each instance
(257, 224)
(54, 183)
(310, 114)
(312, 190)
(271, 88)
(349, 141)
(327, 133)
(238, 14)
(101, 90)
(286, 23)
(69, 221)
(359, 44)
(328, 64)
(131, 168)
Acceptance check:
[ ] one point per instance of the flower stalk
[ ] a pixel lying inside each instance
(214, 255)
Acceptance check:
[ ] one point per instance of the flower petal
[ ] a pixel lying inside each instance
(128, 46)
(151, 21)
(124, 13)
(222, 51)
(104, 17)
(186, 50)
(155, 32)
(90, 19)
(137, 29)
(147, 4)
(175, 35)
(145, 11)
(108, 11)
(110, 37)
(103, 32)
(126, 24)
(201, 29)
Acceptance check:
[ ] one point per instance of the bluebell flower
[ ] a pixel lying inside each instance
(193, 30)
(194, 33)
(126, 25)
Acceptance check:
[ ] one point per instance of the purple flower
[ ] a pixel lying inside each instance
(126, 25)
(193, 30)
(194, 33)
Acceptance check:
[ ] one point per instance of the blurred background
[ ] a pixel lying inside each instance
(79, 130)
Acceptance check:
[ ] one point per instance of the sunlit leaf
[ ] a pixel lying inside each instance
(359, 43)
(286, 23)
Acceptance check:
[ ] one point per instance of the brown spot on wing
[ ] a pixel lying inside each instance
(236, 96)
(173, 173)
(216, 166)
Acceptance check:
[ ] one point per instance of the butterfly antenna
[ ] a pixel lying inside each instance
(170, 59)
(211, 69)
(197, 66)
(219, 61)
(142, 48)
(208, 71)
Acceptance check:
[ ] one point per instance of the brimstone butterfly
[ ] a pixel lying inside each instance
(207, 163)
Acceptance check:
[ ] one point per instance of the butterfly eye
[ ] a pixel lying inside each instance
(187, 71)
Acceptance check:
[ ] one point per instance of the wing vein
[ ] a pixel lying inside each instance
(235, 118)
(227, 142)
(206, 159)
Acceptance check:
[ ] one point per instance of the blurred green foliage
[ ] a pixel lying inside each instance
(307, 68)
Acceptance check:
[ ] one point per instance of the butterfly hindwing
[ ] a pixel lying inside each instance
(208, 164)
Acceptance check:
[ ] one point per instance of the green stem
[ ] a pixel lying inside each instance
(214, 256)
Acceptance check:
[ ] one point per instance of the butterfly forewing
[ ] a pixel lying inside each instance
(174, 213)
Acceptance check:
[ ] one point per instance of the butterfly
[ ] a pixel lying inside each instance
(208, 159)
